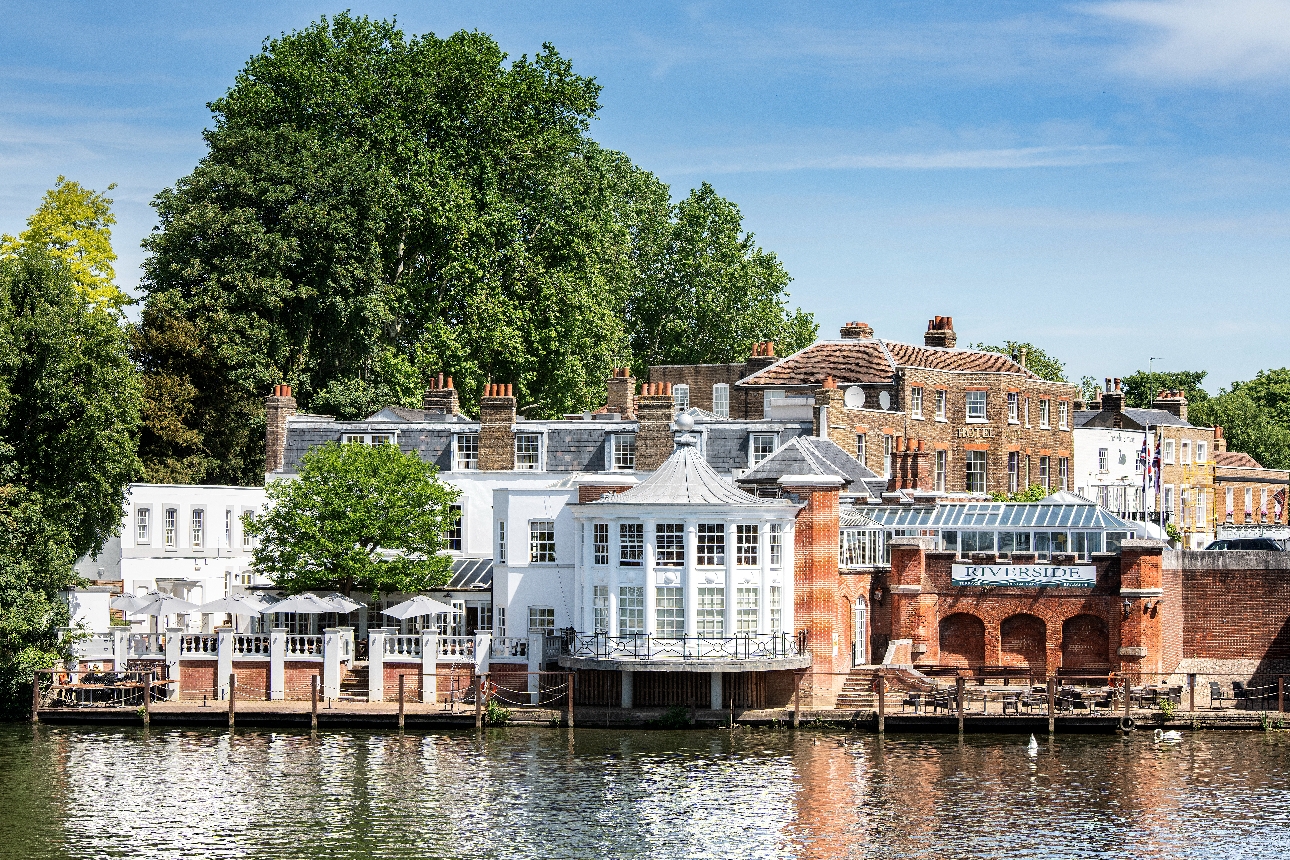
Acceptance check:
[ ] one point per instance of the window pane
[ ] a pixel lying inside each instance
(776, 609)
(631, 610)
(600, 543)
(600, 605)
(625, 451)
(454, 527)
(721, 400)
(542, 542)
(669, 542)
(710, 619)
(631, 544)
(746, 609)
(776, 544)
(467, 452)
(712, 544)
(746, 544)
(541, 619)
(975, 471)
(669, 611)
(763, 445)
(976, 405)
(527, 447)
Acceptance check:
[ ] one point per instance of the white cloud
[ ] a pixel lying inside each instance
(1206, 40)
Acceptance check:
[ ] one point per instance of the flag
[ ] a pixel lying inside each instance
(1280, 499)
(1144, 465)
(1155, 465)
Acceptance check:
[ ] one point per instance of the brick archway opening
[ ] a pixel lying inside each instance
(1085, 646)
(1023, 641)
(962, 640)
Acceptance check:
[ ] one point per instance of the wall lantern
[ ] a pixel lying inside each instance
(1128, 607)
(877, 595)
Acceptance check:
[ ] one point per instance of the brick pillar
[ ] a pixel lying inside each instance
(441, 397)
(654, 410)
(277, 409)
(913, 616)
(620, 393)
(497, 429)
(816, 581)
(1142, 585)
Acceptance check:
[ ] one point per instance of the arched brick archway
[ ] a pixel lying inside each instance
(1023, 641)
(962, 640)
(1085, 645)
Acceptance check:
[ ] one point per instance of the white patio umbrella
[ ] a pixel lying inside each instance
(234, 606)
(165, 604)
(305, 604)
(417, 606)
(131, 604)
(342, 601)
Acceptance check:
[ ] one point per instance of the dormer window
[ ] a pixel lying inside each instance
(528, 451)
(622, 451)
(761, 446)
(721, 400)
(466, 452)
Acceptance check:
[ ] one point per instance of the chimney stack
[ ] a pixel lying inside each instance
(1113, 399)
(497, 428)
(762, 357)
(620, 393)
(856, 331)
(441, 397)
(1173, 402)
(655, 408)
(940, 332)
(278, 407)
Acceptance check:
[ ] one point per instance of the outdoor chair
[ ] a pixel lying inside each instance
(1216, 696)
(914, 699)
(1239, 694)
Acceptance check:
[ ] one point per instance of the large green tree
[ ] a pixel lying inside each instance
(357, 517)
(1042, 364)
(1143, 387)
(69, 411)
(1254, 415)
(374, 209)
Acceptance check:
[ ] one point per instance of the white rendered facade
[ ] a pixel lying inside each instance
(1107, 470)
(533, 578)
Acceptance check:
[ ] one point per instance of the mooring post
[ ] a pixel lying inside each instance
(797, 700)
(1281, 694)
(35, 696)
(882, 704)
(147, 699)
(401, 677)
(479, 700)
(958, 699)
(570, 700)
(1127, 693)
(1052, 705)
(232, 697)
(313, 701)
(1191, 692)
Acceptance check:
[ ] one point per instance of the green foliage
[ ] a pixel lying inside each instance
(1172, 530)
(69, 409)
(1142, 388)
(675, 717)
(1167, 708)
(1089, 390)
(1254, 415)
(375, 209)
(1033, 493)
(357, 517)
(1038, 362)
(74, 226)
(495, 714)
(704, 292)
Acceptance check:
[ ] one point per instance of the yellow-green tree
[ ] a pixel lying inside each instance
(74, 225)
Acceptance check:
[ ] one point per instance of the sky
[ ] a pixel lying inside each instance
(1107, 180)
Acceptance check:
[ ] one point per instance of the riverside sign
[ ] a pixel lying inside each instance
(1025, 575)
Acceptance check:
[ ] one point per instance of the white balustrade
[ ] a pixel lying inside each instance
(198, 645)
(143, 645)
(299, 645)
(251, 645)
(510, 646)
(457, 648)
(403, 646)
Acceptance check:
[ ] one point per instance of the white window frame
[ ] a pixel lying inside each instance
(710, 543)
(974, 407)
(669, 599)
(776, 543)
(862, 445)
(1063, 414)
(536, 453)
(940, 470)
(631, 544)
(1045, 413)
(228, 527)
(248, 541)
(501, 543)
(721, 400)
(600, 608)
(456, 530)
(1045, 471)
(710, 611)
(747, 545)
(1014, 407)
(462, 443)
(541, 614)
(753, 458)
(197, 528)
(1202, 452)
(1103, 459)
(1025, 412)
(143, 525)
(1168, 457)
(600, 544)
(1063, 473)
(1184, 452)
(681, 396)
(617, 452)
(1014, 471)
(982, 459)
(631, 610)
(171, 528)
(541, 549)
(916, 402)
(942, 398)
(747, 609)
(888, 447)
(669, 544)
(1167, 499)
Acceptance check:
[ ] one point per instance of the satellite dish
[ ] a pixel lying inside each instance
(854, 398)
(884, 400)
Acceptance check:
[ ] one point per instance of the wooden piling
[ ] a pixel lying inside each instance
(571, 700)
(232, 698)
(401, 677)
(479, 699)
(797, 699)
(1052, 705)
(313, 701)
(1191, 692)
(1128, 694)
(1281, 694)
(882, 704)
(147, 699)
(35, 697)
(958, 699)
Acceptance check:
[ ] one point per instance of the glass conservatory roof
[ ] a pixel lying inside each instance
(1048, 514)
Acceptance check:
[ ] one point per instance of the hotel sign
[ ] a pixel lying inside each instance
(1026, 575)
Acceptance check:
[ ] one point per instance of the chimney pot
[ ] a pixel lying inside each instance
(940, 333)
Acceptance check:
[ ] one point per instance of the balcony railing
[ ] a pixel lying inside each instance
(460, 648)
(509, 646)
(250, 645)
(199, 645)
(403, 646)
(752, 646)
(300, 645)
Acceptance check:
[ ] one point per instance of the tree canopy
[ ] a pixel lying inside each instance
(374, 209)
(1254, 415)
(358, 517)
(69, 410)
(1142, 388)
(74, 226)
(1038, 362)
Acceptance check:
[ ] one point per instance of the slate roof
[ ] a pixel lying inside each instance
(874, 361)
(810, 455)
(1236, 460)
(685, 478)
(471, 574)
(1134, 419)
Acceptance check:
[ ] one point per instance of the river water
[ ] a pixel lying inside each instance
(547, 793)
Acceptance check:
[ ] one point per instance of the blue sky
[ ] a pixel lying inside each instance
(1106, 179)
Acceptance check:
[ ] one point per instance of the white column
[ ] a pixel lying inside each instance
(172, 660)
(651, 602)
(429, 666)
(331, 662)
(689, 581)
(732, 537)
(278, 663)
(376, 662)
(627, 688)
(763, 575)
(483, 651)
(789, 574)
(536, 641)
(583, 569)
(120, 649)
(715, 702)
(224, 665)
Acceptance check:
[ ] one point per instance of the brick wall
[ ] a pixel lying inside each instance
(820, 605)
(296, 675)
(745, 404)
(411, 673)
(277, 409)
(1259, 481)
(654, 410)
(1236, 605)
(496, 433)
(197, 678)
(252, 678)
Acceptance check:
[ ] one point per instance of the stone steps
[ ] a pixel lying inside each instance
(858, 691)
(353, 683)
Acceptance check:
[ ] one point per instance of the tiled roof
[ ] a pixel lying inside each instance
(685, 478)
(1236, 460)
(873, 360)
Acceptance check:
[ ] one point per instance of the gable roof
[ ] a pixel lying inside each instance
(811, 455)
(1236, 460)
(875, 361)
(685, 478)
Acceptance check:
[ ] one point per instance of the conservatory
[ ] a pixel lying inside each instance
(1061, 523)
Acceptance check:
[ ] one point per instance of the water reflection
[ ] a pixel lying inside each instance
(595, 793)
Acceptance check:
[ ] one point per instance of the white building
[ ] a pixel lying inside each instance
(1108, 470)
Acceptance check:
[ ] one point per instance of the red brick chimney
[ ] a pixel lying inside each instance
(620, 393)
(655, 408)
(496, 428)
(762, 357)
(278, 407)
(441, 397)
(1173, 402)
(856, 331)
(940, 332)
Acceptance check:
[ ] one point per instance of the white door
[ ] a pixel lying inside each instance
(860, 648)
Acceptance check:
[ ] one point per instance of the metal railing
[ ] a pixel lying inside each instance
(304, 645)
(509, 646)
(403, 646)
(638, 646)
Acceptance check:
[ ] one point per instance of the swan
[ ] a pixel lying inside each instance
(1169, 737)
(1033, 748)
